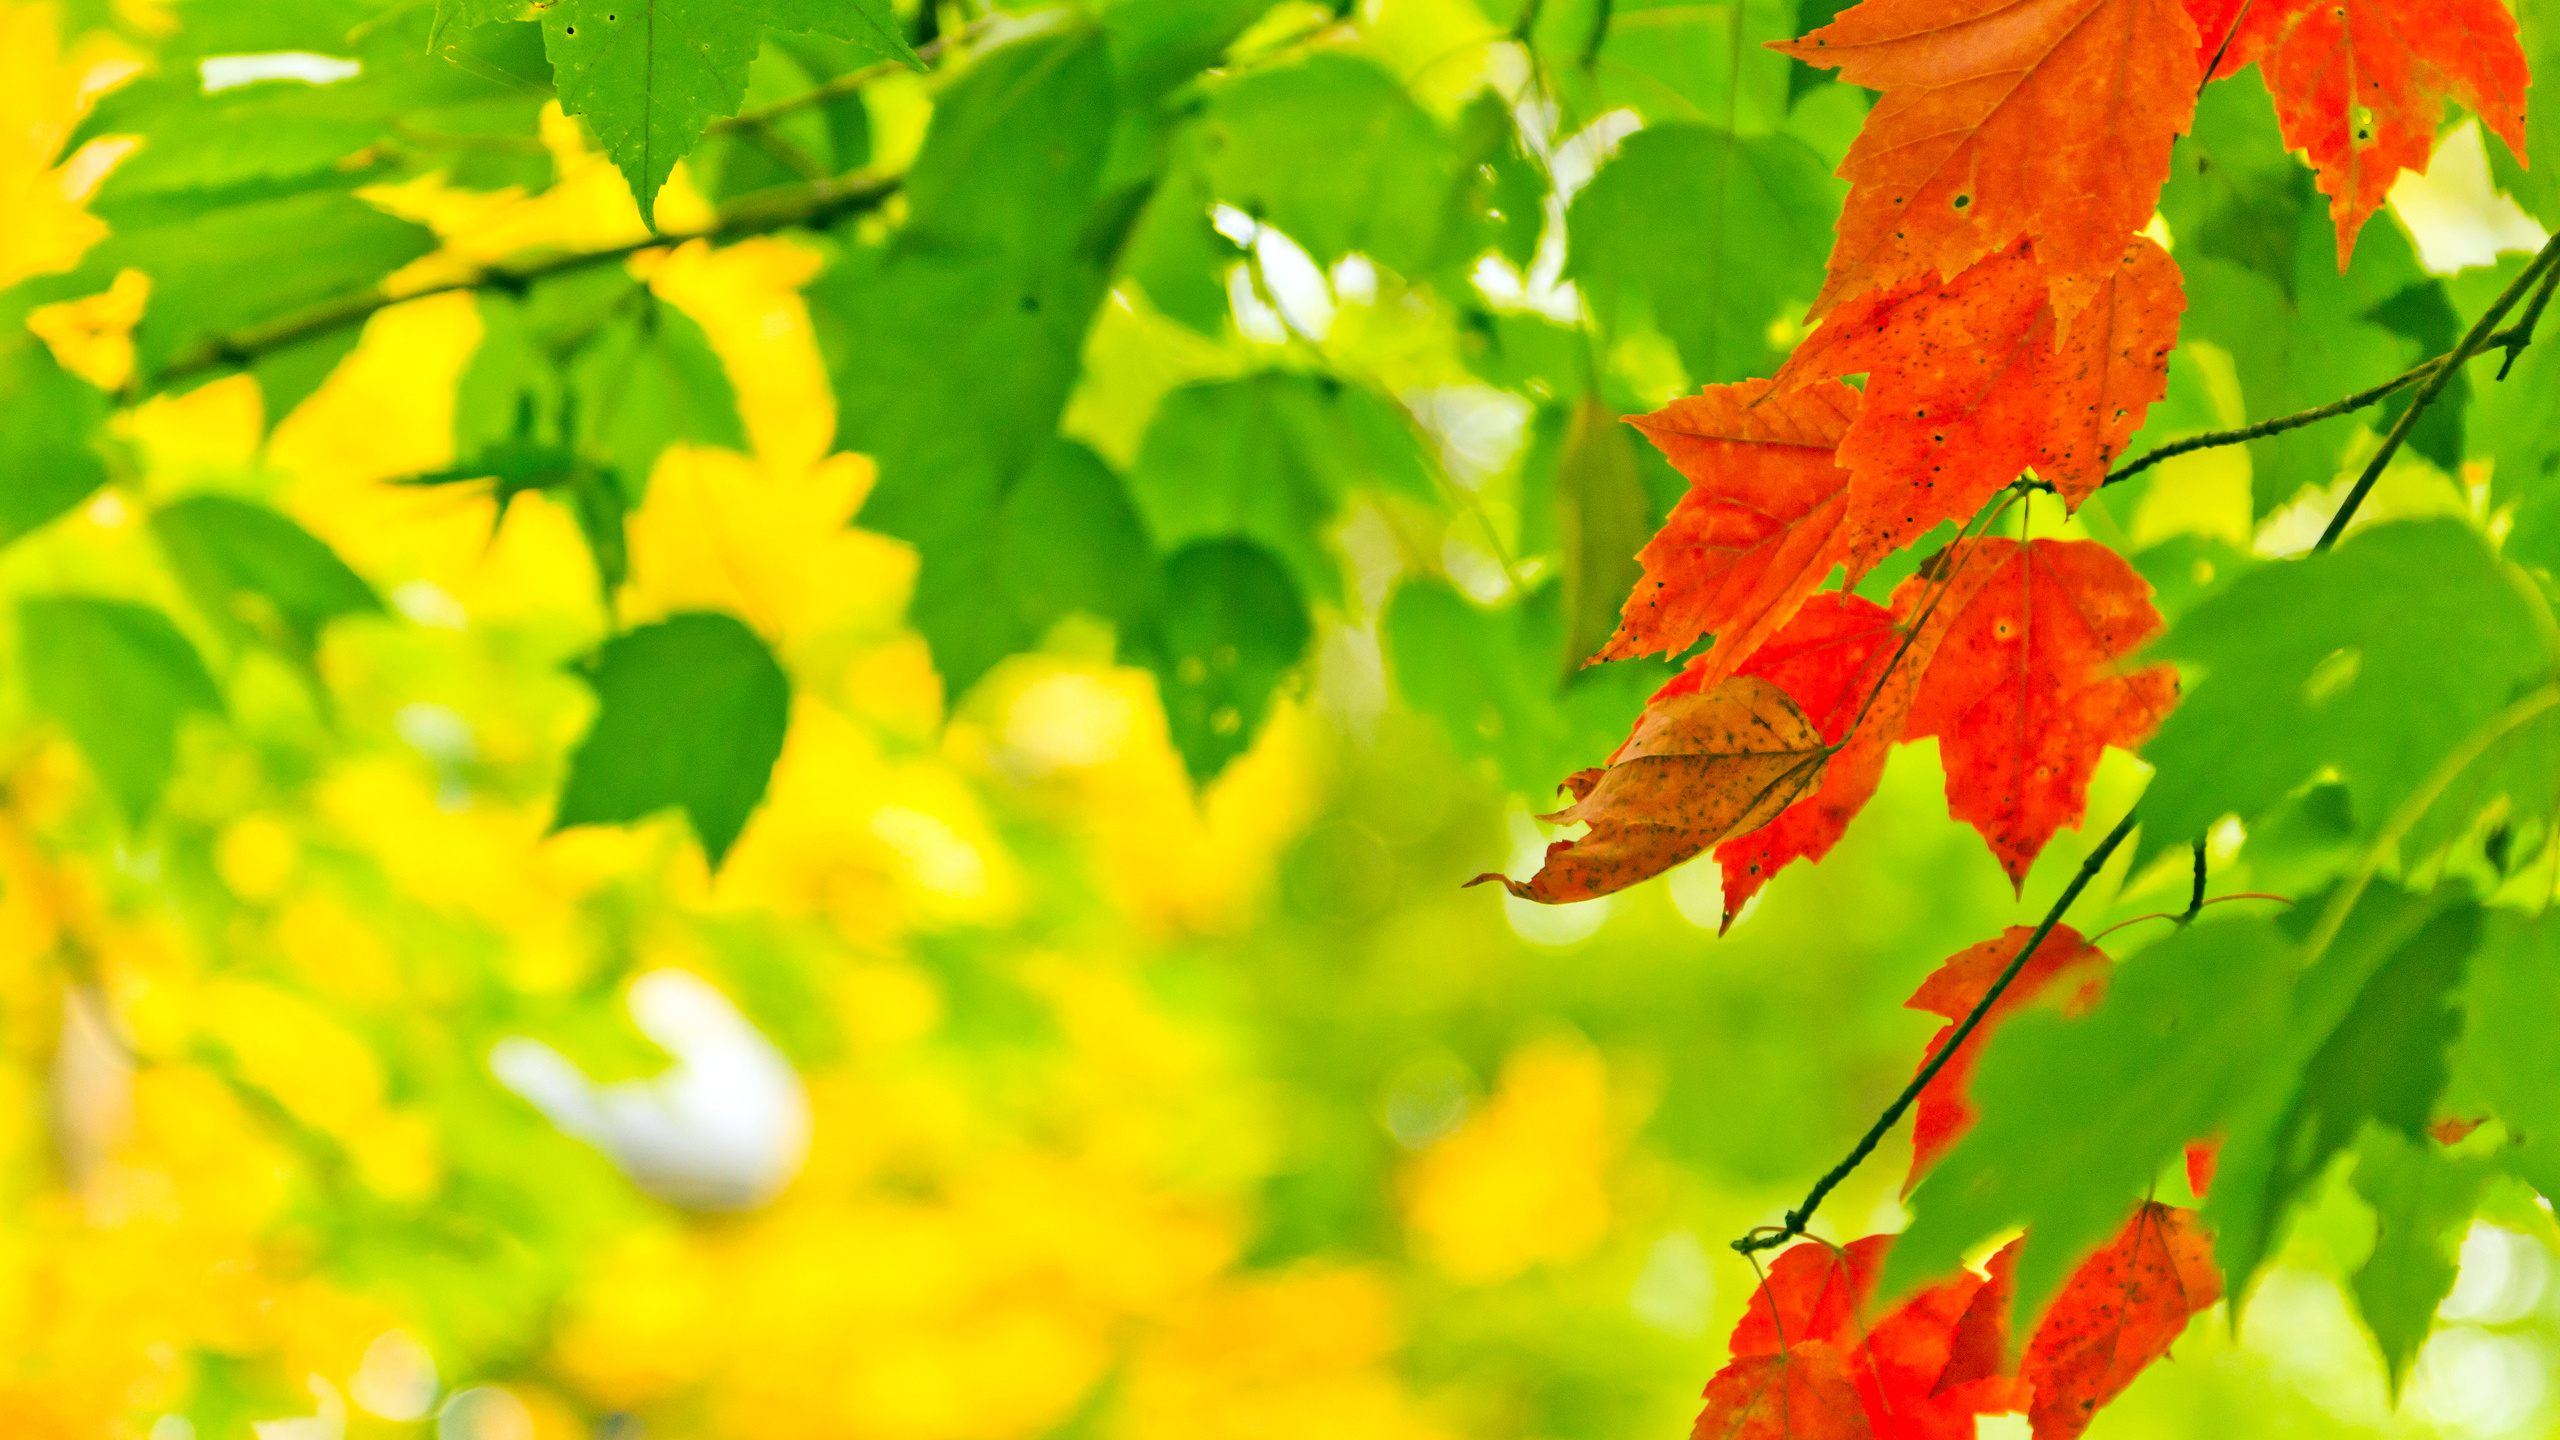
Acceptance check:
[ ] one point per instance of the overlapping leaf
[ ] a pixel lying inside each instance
(1759, 528)
(1839, 651)
(2365, 1040)
(1699, 767)
(650, 75)
(2027, 684)
(2118, 1313)
(1973, 380)
(2394, 648)
(2077, 1115)
(2001, 120)
(2064, 960)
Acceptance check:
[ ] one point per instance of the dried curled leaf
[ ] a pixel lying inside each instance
(1697, 769)
(1837, 651)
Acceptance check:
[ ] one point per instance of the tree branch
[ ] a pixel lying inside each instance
(801, 207)
(2472, 344)
(2513, 340)
(841, 86)
(1773, 1236)
(2518, 336)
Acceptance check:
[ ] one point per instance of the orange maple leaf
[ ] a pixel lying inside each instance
(1955, 987)
(2024, 688)
(2360, 85)
(2048, 120)
(1699, 767)
(1972, 380)
(2116, 1314)
(1757, 532)
(1829, 659)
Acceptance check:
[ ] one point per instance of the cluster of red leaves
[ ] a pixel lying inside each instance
(1812, 1363)
(1809, 1362)
(1992, 286)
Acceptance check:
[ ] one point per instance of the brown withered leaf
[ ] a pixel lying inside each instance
(1698, 768)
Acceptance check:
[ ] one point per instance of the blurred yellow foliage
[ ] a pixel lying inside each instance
(1526, 1182)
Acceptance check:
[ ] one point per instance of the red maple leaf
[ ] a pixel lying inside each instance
(1813, 1291)
(1698, 768)
(1954, 988)
(2203, 1158)
(1813, 1298)
(2047, 120)
(1757, 532)
(2360, 85)
(1801, 1394)
(1829, 658)
(2024, 687)
(2116, 1314)
(1968, 385)
(1980, 1372)
(1897, 1368)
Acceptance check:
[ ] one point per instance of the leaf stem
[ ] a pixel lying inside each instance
(1770, 1237)
(800, 207)
(2482, 332)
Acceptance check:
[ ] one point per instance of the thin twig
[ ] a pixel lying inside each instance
(836, 89)
(1770, 1237)
(2482, 332)
(806, 206)
(2216, 439)
(2519, 335)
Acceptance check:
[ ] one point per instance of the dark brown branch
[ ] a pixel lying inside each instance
(1770, 1237)
(2483, 332)
(802, 207)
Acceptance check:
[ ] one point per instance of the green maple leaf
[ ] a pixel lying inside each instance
(651, 75)
(690, 714)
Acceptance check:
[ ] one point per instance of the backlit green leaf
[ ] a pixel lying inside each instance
(1229, 626)
(2391, 651)
(690, 713)
(253, 569)
(2365, 1039)
(2422, 1201)
(118, 677)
